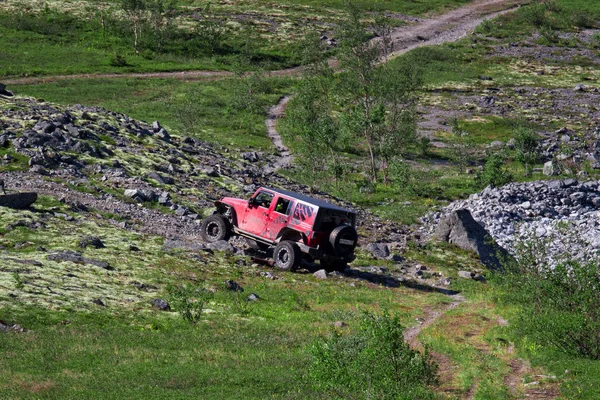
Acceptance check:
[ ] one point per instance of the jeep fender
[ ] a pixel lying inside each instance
(225, 209)
(291, 234)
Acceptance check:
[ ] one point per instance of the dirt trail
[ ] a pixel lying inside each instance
(411, 334)
(285, 158)
(439, 29)
(451, 26)
(445, 28)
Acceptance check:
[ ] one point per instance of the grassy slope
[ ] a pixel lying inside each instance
(208, 105)
(62, 47)
(156, 352)
(126, 349)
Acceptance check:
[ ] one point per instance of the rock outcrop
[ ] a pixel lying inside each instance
(459, 228)
(561, 215)
(19, 201)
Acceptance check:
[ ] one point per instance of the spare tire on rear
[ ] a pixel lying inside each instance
(343, 239)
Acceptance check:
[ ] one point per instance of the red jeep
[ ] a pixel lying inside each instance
(294, 224)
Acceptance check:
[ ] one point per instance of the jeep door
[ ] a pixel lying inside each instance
(256, 216)
(279, 216)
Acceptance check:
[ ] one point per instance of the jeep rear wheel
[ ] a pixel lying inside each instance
(287, 255)
(215, 228)
(343, 240)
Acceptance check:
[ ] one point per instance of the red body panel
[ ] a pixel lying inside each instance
(259, 219)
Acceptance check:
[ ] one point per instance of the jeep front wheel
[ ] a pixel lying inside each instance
(287, 255)
(215, 228)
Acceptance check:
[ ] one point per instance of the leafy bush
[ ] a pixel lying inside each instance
(118, 60)
(559, 306)
(535, 15)
(494, 172)
(526, 147)
(189, 301)
(373, 363)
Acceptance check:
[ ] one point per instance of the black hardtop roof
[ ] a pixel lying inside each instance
(310, 200)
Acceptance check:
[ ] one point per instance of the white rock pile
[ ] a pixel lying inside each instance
(561, 217)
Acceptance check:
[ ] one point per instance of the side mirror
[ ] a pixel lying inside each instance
(252, 202)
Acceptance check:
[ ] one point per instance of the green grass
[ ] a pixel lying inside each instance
(49, 41)
(126, 349)
(205, 110)
(32, 54)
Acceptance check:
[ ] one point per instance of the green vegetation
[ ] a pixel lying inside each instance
(375, 362)
(214, 111)
(46, 38)
(216, 343)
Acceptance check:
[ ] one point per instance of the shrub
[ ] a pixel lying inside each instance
(118, 61)
(494, 172)
(558, 305)
(526, 147)
(535, 15)
(583, 19)
(373, 363)
(189, 301)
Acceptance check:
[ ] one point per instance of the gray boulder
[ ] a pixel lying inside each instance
(165, 180)
(18, 201)
(91, 241)
(221, 245)
(161, 305)
(320, 274)
(459, 228)
(378, 250)
(551, 168)
(251, 156)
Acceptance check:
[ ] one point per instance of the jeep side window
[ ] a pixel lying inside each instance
(283, 206)
(263, 199)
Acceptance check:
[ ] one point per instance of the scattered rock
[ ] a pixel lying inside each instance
(77, 258)
(320, 274)
(4, 92)
(233, 286)
(221, 245)
(91, 241)
(339, 324)
(251, 156)
(161, 305)
(551, 168)
(98, 302)
(8, 327)
(164, 180)
(378, 250)
(253, 297)
(563, 212)
(18, 201)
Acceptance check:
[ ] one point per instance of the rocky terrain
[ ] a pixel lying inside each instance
(554, 220)
(93, 158)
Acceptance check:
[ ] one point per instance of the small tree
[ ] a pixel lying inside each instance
(494, 172)
(377, 99)
(526, 147)
(135, 11)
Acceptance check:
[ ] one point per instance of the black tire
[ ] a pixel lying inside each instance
(343, 240)
(333, 265)
(287, 255)
(215, 228)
